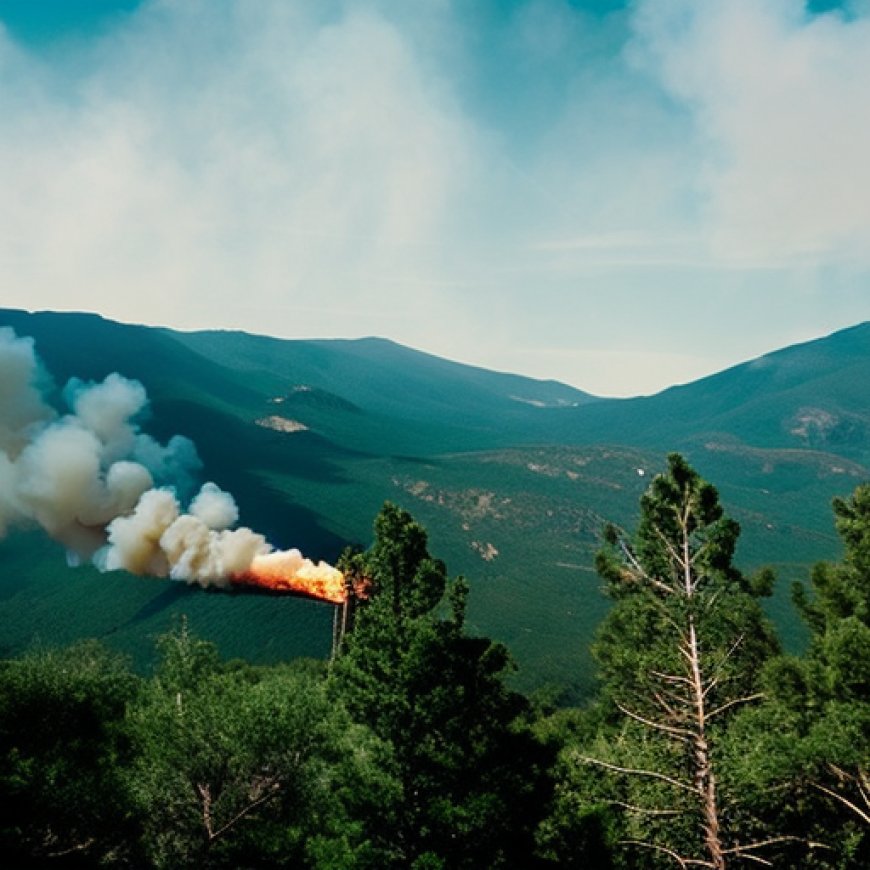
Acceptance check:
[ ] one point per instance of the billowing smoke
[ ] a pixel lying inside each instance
(70, 473)
(106, 490)
(158, 538)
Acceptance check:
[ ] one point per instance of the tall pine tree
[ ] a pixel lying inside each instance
(468, 767)
(804, 755)
(679, 655)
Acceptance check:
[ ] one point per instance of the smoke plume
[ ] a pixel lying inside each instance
(108, 491)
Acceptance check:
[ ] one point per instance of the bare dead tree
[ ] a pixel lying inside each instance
(678, 569)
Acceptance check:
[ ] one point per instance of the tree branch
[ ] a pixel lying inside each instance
(710, 685)
(640, 573)
(743, 851)
(668, 546)
(683, 862)
(865, 817)
(271, 790)
(757, 858)
(78, 847)
(728, 654)
(645, 810)
(669, 729)
(744, 700)
(860, 779)
(672, 678)
(669, 710)
(630, 771)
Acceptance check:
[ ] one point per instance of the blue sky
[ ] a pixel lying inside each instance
(621, 196)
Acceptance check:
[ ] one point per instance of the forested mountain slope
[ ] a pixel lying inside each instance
(514, 477)
(812, 395)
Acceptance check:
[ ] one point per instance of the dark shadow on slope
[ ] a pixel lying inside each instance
(237, 454)
(173, 592)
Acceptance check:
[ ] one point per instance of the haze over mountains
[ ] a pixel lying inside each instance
(513, 477)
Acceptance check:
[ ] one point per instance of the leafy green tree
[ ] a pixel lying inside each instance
(64, 751)
(579, 829)
(469, 770)
(808, 762)
(242, 766)
(838, 609)
(679, 655)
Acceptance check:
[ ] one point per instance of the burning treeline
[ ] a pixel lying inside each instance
(107, 491)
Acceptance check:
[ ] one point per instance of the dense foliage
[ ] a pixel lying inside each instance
(66, 752)
(679, 654)
(469, 771)
(705, 746)
(808, 764)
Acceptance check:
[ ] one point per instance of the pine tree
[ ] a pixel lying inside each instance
(248, 767)
(468, 768)
(809, 766)
(679, 656)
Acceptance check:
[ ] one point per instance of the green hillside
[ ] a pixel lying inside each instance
(411, 402)
(808, 396)
(514, 478)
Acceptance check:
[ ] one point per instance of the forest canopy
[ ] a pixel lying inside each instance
(705, 745)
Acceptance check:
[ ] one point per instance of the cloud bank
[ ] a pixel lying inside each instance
(517, 185)
(780, 99)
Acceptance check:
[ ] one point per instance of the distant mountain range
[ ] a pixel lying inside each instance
(808, 396)
(513, 477)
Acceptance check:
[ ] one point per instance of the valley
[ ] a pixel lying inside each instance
(514, 479)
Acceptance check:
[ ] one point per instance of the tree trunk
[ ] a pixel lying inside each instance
(705, 781)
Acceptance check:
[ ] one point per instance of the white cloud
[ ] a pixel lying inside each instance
(781, 102)
(255, 157)
(464, 184)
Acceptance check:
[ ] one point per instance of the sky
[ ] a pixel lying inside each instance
(618, 195)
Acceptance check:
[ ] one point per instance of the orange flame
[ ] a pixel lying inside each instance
(287, 571)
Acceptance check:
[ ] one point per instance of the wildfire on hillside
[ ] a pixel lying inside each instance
(113, 495)
(286, 572)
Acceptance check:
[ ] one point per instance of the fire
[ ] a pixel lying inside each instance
(288, 571)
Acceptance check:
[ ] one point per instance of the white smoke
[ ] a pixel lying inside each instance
(21, 404)
(215, 508)
(156, 538)
(88, 479)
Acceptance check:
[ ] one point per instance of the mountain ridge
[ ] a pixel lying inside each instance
(514, 494)
(198, 338)
(759, 401)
